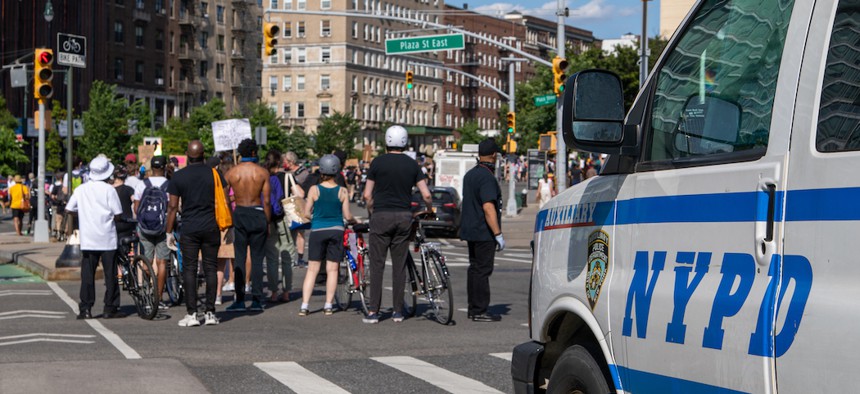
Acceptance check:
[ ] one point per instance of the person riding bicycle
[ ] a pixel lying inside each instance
(389, 194)
(329, 203)
(150, 205)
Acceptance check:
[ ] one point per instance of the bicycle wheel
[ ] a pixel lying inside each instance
(173, 282)
(342, 294)
(410, 299)
(362, 287)
(439, 292)
(144, 284)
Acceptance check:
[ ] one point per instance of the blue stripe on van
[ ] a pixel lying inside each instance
(837, 204)
(646, 382)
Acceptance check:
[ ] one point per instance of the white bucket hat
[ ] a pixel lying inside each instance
(100, 168)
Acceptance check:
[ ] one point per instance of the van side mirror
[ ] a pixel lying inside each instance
(593, 113)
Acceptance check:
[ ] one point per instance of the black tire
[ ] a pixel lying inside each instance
(342, 294)
(440, 294)
(173, 282)
(144, 282)
(576, 371)
(363, 287)
(410, 299)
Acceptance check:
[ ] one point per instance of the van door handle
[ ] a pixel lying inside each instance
(765, 240)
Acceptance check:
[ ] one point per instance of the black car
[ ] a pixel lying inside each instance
(446, 205)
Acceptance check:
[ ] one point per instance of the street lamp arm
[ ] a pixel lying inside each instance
(481, 81)
(416, 21)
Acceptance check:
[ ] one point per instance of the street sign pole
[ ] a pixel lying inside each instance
(71, 52)
(70, 126)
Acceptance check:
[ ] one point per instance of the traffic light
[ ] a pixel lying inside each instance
(409, 75)
(512, 122)
(558, 78)
(43, 74)
(270, 37)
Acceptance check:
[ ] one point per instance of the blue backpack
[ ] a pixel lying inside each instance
(152, 211)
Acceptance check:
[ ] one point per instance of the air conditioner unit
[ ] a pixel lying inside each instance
(206, 16)
(326, 34)
(326, 87)
(326, 60)
(159, 81)
(301, 35)
(287, 89)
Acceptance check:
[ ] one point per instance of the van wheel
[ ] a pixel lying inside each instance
(576, 372)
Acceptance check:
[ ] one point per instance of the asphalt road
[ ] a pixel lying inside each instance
(44, 349)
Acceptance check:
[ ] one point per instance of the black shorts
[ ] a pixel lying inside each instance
(325, 245)
(17, 213)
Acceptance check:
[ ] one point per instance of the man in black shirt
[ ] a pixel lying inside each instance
(481, 228)
(195, 186)
(389, 195)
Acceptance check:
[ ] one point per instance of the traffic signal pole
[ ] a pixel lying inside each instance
(561, 152)
(511, 207)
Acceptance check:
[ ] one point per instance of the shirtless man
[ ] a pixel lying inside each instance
(250, 182)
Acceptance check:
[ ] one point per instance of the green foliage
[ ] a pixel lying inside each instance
(262, 115)
(469, 134)
(299, 142)
(11, 151)
(337, 132)
(105, 124)
(174, 137)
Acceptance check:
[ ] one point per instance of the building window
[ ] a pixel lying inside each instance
(325, 54)
(159, 40)
(354, 29)
(288, 4)
(354, 84)
(140, 4)
(288, 29)
(220, 13)
(325, 28)
(138, 72)
(204, 9)
(170, 44)
(159, 74)
(219, 71)
(204, 39)
(301, 4)
(300, 83)
(118, 32)
(301, 29)
(288, 56)
(325, 4)
(287, 110)
(204, 68)
(273, 84)
(159, 6)
(325, 82)
(117, 69)
(288, 82)
(219, 43)
(273, 4)
(325, 108)
(300, 110)
(302, 55)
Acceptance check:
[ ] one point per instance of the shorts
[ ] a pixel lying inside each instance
(155, 246)
(17, 213)
(325, 245)
(226, 251)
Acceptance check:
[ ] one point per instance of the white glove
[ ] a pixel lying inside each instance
(171, 242)
(500, 243)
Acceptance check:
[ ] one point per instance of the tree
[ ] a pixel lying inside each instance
(11, 151)
(469, 134)
(262, 115)
(299, 142)
(200, 122)
(337, 132)
(105, 124)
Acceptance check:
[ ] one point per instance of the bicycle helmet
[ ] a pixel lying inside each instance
(329, 165)
(396, 137)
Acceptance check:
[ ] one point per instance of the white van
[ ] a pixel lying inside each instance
(716, 251)
(452, 166)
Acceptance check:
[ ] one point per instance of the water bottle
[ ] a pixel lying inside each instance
(351, 261)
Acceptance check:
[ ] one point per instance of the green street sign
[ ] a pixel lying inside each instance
(545, 100)
(440, 42)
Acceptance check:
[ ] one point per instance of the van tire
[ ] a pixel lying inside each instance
(577, 372)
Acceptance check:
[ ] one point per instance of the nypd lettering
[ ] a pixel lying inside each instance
(737, 273)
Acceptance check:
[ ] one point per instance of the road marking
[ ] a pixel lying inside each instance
(437, 376)
(31, 313)
(520, 255)
(504, 356)
(525, 324)
(111, 337)
(24, 292)
(45, 337)
(444, 241)
(463, 310)
(496, 258)
(298, 379)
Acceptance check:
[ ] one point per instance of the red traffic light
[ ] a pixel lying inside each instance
(46, 58)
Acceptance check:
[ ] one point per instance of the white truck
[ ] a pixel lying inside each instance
(716, 251)
(452, 166)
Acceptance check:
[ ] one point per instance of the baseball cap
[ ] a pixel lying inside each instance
(158, 162)
(488, 147)
(130, 158)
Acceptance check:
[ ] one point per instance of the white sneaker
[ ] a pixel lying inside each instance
(218, 300)
(190, 321)
(248, 288)
(228, 287)
(211, 320)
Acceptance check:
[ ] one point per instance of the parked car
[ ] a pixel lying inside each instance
(446, 205)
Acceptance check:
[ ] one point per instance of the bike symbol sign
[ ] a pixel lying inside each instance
(71, 50)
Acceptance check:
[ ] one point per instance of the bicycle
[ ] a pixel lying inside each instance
(353, 273)
(137, 278)
(432, 279)
(175, 282)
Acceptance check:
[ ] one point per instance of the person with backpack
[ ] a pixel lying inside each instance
(150, 204)
(279, 244)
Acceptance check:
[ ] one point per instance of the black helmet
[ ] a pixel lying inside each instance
(329, 165)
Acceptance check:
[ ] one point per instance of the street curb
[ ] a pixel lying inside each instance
(52, 275)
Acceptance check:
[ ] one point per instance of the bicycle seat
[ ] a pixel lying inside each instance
(126, 241)
(361, 228)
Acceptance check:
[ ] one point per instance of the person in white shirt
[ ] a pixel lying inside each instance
(133, 169)
(97, 205)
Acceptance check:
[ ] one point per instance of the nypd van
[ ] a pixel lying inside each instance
(719, 249)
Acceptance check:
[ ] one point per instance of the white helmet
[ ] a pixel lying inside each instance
(396, 137)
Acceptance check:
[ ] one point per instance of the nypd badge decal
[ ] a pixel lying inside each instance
(598, 265)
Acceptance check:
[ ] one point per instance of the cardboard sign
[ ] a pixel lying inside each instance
(227, 134)
(182, 159)
(144, 153)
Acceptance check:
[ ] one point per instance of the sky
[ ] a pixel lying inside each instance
(607, 19)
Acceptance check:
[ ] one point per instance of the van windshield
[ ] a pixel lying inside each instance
(715, 91)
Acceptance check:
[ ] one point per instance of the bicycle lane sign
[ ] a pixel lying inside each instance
(71, 50)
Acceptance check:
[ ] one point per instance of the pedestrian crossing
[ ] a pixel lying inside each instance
(412, 374)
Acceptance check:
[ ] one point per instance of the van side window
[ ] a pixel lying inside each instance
(839, 116)
(714, 93)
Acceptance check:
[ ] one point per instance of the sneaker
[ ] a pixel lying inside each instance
(229, 287)
(190, 321)
(371, 318)
(256, 306)
(211, 319)
(237, 307)
(162, 306)
(303, 312)
(397, 317)
(328, 311)
(218, 300)
(247, 288)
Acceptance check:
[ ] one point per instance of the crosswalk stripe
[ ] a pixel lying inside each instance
(298, 379)
(439, 377)
(504, 356)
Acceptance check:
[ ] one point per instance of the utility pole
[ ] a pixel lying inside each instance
(561, 152)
